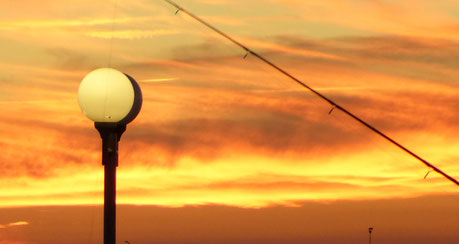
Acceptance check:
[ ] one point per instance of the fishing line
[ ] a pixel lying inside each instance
(334, 105)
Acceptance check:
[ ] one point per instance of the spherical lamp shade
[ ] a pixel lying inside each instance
(108, 95)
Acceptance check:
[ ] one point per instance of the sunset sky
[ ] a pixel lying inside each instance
(226, 149)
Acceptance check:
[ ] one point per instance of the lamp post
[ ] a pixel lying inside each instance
(111, 99)
(370, 230)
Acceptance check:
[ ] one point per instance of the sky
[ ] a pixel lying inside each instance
(226, 149)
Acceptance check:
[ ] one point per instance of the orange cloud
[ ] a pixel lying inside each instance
(224, 129)
(230, 141)
(257, 44)
(407, 18)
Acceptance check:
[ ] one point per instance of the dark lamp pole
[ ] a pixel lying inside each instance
(370, 230)
(111, 99)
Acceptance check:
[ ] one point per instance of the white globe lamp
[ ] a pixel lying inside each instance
(111, 99)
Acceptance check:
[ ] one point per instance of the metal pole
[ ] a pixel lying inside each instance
(110, 197)
(110, 134)
(370, 230)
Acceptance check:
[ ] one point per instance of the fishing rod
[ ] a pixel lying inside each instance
(331, 102)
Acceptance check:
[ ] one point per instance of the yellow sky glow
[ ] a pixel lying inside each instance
(218, 128)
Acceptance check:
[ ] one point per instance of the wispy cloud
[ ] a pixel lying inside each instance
(216, 2)
(19, 223)
(400, 18)
(272, 46)
(9, 25)
(159, 79)
(131, 34)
